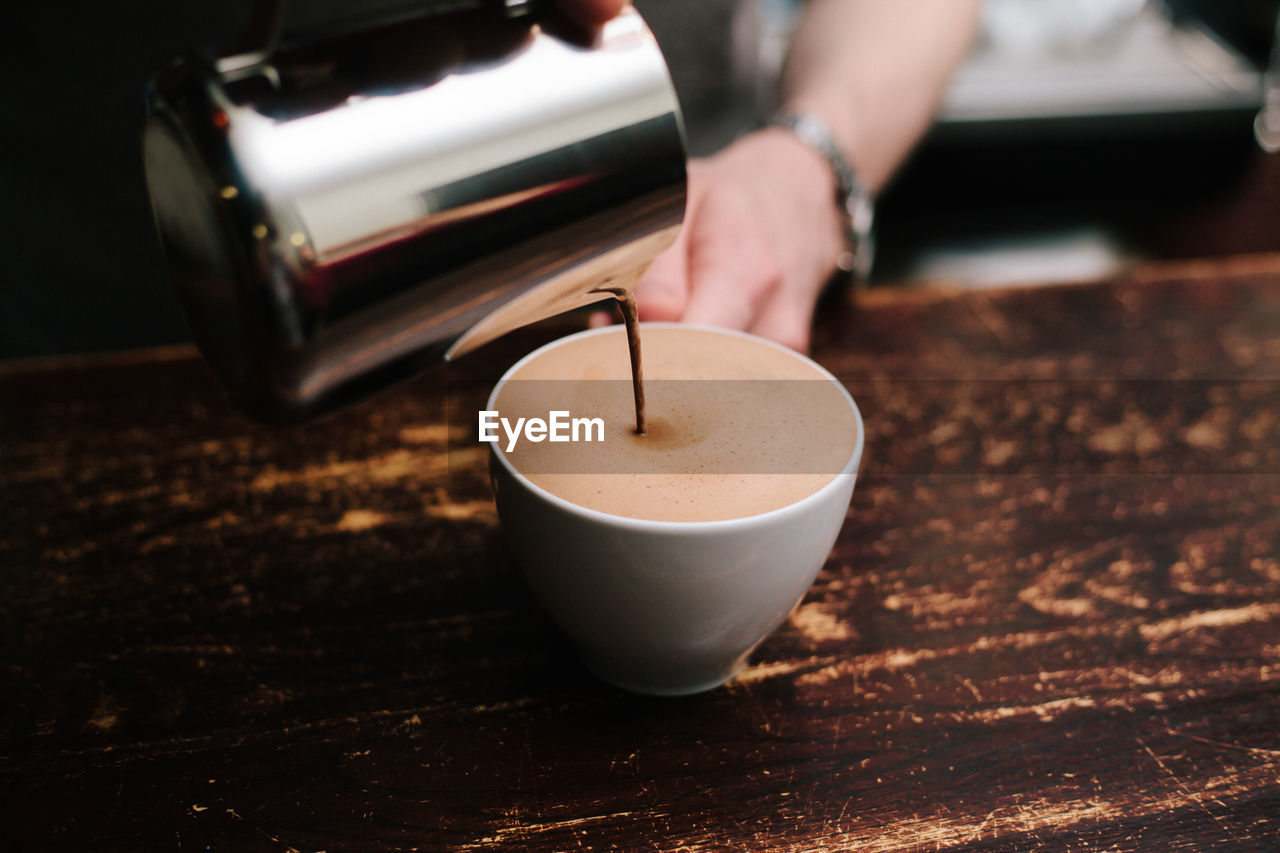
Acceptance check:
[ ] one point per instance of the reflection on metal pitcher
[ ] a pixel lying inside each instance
(349, 210)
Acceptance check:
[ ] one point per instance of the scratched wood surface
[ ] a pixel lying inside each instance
(1052, 620)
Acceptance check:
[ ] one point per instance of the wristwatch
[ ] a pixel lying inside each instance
(857, 210)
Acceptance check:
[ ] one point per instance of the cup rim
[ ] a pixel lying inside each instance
(650, 524)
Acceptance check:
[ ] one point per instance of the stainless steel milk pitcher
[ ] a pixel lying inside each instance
(342, 210)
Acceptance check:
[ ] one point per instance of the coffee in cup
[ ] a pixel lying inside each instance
(668, 556)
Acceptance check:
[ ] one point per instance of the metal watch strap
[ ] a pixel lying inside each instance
(1266, 125)
(856, 207)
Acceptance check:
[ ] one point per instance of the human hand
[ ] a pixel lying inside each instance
(760, 239)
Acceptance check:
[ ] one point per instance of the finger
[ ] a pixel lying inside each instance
(786, 317)
(592, 13)
(730, 275)
(663, 290)
(728, 295)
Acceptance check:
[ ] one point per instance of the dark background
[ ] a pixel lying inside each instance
(83, 270)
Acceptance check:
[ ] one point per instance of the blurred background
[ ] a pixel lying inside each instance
(1081, 137)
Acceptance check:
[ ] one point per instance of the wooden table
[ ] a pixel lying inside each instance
(1052, 620)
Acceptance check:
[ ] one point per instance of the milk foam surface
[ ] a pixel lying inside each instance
(736, 427)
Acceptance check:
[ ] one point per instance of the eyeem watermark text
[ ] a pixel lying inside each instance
(558, 426)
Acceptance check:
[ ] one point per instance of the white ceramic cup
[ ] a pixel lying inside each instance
(668, 607)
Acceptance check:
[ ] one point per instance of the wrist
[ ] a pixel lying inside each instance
(803, 166)
(806, 179)
(850, 199)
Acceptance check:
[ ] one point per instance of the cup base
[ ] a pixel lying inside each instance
(647, 688)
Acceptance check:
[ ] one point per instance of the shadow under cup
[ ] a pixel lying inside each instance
(669, 607)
